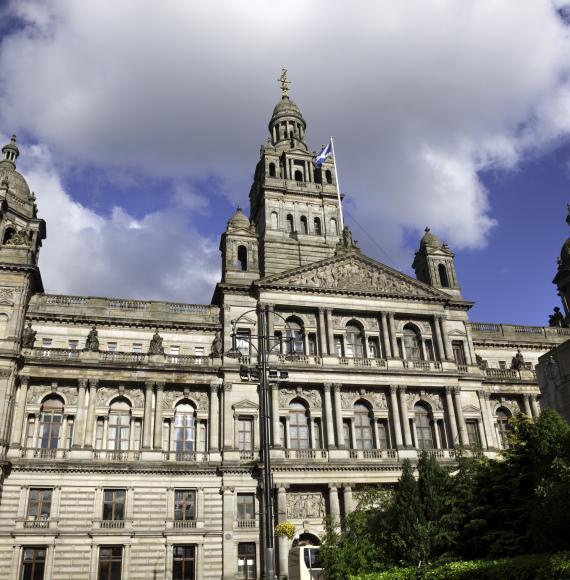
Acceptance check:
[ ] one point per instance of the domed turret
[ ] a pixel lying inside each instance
(239, 220)
(429, 239)
(10, 152)
(13, 181)
(287, 123)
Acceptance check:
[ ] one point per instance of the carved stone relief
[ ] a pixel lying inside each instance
(348, 398)
(7, 295)
(312, 396)
(369, 323)
(105, 394)
(199, 397)
(433, 399)
(305, 505)
(308, 318)
(351, 275)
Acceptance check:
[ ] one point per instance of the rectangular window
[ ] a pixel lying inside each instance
(338, 346)
(442, 435)
(246, 561)
(382, 435)
(175, 350)
(110, 562)
(73, 344)
(245, 506)
(137, 347)
(277, 342)
(184, 504)
(429, 349)
(243, 341)
(39, 504)
(201, 444)
(346, 434)
(33, 563)
(30, 432)
(473, 433)
(245, 433)
(69, 433)
(166, 436)
(46, 342)
(199, 351)
(114, 504)
(184, 561)
(318, 440)
(373, 348)
(458, 352)
(282, 434)
(502, 364)
(99, 434)
(312, 344)
(111, 347)
(137, 435)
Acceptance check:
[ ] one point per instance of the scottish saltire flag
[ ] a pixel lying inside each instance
(322, 156)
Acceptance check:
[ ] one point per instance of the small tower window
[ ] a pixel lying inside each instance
(299, 175)
(443, 276)
(317, 226)
(274, 220)
(8, 234)
(290, 227)
(242, 258)
(304, 226)
(328, 176)
(334, 228)
(272, 170)
(318, 175)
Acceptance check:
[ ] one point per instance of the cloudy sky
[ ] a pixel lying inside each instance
(140, 125)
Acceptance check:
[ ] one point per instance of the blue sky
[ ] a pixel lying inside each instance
(140, 130)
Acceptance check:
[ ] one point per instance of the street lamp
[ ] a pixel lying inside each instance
(263, 374)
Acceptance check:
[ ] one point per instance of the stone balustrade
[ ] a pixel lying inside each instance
(518, 332)
(371, 454)
(438, 453)
(306, 454)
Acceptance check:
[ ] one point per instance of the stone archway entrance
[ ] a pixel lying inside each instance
(306, 539)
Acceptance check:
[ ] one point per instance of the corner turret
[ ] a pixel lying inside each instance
(239, 249)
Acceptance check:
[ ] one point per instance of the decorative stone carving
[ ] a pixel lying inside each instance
(349, 397)
(217, 346)
(92, 341)
(18, 238)
(199, 397)
(105, 394)
(346, 243)
(155, 346)
(312, 396)
(28, 336)
(136, 395)
(36, 393)
(556, 318)
(433, 399)
(517, 362)
(7, 296)
(350, 274)
(305, 505)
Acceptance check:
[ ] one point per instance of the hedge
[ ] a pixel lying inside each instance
(532, 567)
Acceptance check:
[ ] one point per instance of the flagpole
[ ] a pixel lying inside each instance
(337, 187)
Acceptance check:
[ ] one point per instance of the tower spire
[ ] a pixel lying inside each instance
(285, 82)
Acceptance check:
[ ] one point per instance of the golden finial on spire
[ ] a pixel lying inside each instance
(284, 83)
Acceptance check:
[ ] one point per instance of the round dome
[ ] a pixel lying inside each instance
(286, 108)
(430, 239)
(16, 182)
(238, 220)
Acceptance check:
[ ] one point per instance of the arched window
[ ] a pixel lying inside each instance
(362, 427)
(298, 174)
(318, 175)
(290, 227)
(424, 427)
(304, 226)
(242, 258)
(294, 336)
(317, 226)
(274, 220)
(328, 176)
(119, 425)
(298, 426)
(354, 343)
(7, 235)
(443, 276)
(411, 344)
(333, 226)
(51, 420)
(185, 428)
(503, 427)
(272, 170)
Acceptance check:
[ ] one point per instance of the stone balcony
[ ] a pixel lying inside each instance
(36, 523)
(490, 331)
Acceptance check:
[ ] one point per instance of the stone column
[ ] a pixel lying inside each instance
(329, 416)
(526, 402)
(334, 504)
(80, 416)
(338, 416)
(147, 425)
(158, 416)
(228, 558)
(438, 339)
(437, 435)
(394, 342)
(348, 502)
(535, 406)
(452, 420)
(19, 413)
(90, 422)
(228, 419)
(282, 541)
(405, 419)
(396, 416)
(487, 423)
(446, 341)
(275, 429)
(463, 437)
(323, 347)
(385, 339)
(214, 418)
(330, 334)
(270, 329)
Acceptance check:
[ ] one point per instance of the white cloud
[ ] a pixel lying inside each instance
(155, 257)
(420, 96)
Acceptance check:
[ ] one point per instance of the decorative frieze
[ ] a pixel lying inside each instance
(312, 396)
(171, 395)
(433, 400)
(305, 505)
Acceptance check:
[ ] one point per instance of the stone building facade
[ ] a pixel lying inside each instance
(130, 441)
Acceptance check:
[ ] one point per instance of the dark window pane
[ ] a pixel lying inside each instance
(110, 562)
(33, 563)
(246, 561)
(185, 504)
(183, 563)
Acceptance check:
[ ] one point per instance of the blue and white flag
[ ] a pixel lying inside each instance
(324, 154)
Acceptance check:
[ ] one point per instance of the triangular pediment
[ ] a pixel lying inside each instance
(245, 405)
(353, 273)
